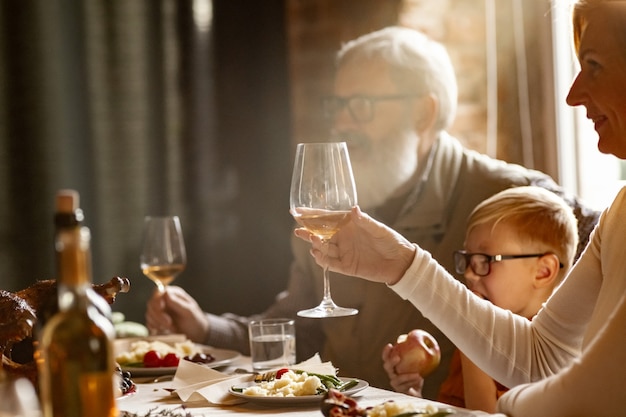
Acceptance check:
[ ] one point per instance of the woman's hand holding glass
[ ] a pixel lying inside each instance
(364, 248)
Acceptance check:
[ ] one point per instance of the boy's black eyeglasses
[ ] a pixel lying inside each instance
(361, 108)
(480, 263)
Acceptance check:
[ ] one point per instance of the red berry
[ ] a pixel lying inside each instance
(170, 360)
(152, 359)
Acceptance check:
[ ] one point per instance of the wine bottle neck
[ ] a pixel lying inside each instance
(73, 256)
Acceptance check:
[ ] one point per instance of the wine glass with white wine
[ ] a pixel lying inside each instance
(322, 195)
(163, 254)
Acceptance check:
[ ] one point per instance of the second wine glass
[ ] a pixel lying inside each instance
(163, 254)
(322, 194)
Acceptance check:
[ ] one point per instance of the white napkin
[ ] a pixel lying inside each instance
(314, 364)
(195, 382)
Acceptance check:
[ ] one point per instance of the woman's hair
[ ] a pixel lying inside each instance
(616, 18)
(417, 65)
(540, 217)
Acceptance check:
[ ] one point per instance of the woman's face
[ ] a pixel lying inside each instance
(600, 85)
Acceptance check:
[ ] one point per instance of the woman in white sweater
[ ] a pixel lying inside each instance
(570, 359)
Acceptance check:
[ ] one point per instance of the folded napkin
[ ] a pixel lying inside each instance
(195, 382)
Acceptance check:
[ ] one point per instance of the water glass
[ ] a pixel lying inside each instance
(272, 343)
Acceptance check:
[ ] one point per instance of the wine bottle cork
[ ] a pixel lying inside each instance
(67, 201)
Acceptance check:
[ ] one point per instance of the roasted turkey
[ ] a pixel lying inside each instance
(22, 311)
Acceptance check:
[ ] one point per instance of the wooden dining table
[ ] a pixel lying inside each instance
(153, 397)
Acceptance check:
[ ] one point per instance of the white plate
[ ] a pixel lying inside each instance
(303, 399)
(222, 357)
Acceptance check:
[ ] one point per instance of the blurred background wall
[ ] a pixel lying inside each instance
(193, 107)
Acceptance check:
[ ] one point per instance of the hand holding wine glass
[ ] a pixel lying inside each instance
(322, 194)
(163, 255)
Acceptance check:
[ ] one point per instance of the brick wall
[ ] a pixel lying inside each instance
(316, 30)
(460, 26)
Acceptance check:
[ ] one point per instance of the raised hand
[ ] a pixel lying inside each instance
(364, 248)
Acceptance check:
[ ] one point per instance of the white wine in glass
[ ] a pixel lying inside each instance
(163, 254)
(322, 195)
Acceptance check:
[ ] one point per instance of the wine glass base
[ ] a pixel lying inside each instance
(321, 311)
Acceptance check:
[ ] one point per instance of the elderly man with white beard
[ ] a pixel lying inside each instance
(395, 95)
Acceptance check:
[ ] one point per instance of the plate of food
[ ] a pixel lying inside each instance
(160, 355)
(293, 387)
(340, 404)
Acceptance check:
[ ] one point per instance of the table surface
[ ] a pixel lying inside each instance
(150, 398)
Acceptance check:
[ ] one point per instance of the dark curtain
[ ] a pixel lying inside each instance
(148, 107)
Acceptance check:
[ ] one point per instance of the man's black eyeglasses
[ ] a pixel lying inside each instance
(361, 108)
(480, 263)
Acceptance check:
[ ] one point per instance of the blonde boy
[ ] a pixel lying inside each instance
(519, 245)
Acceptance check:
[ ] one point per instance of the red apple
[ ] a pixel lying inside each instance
(418, 351)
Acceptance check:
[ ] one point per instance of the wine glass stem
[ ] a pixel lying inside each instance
(160, 287)
(327, 301)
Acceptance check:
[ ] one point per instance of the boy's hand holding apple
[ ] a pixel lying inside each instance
(418, 351)
(413, 356)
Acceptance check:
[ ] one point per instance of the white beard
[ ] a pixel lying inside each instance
(384, 167)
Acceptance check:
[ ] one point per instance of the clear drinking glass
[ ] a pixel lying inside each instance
(163, 254)
(272, 343)
(322, 194)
